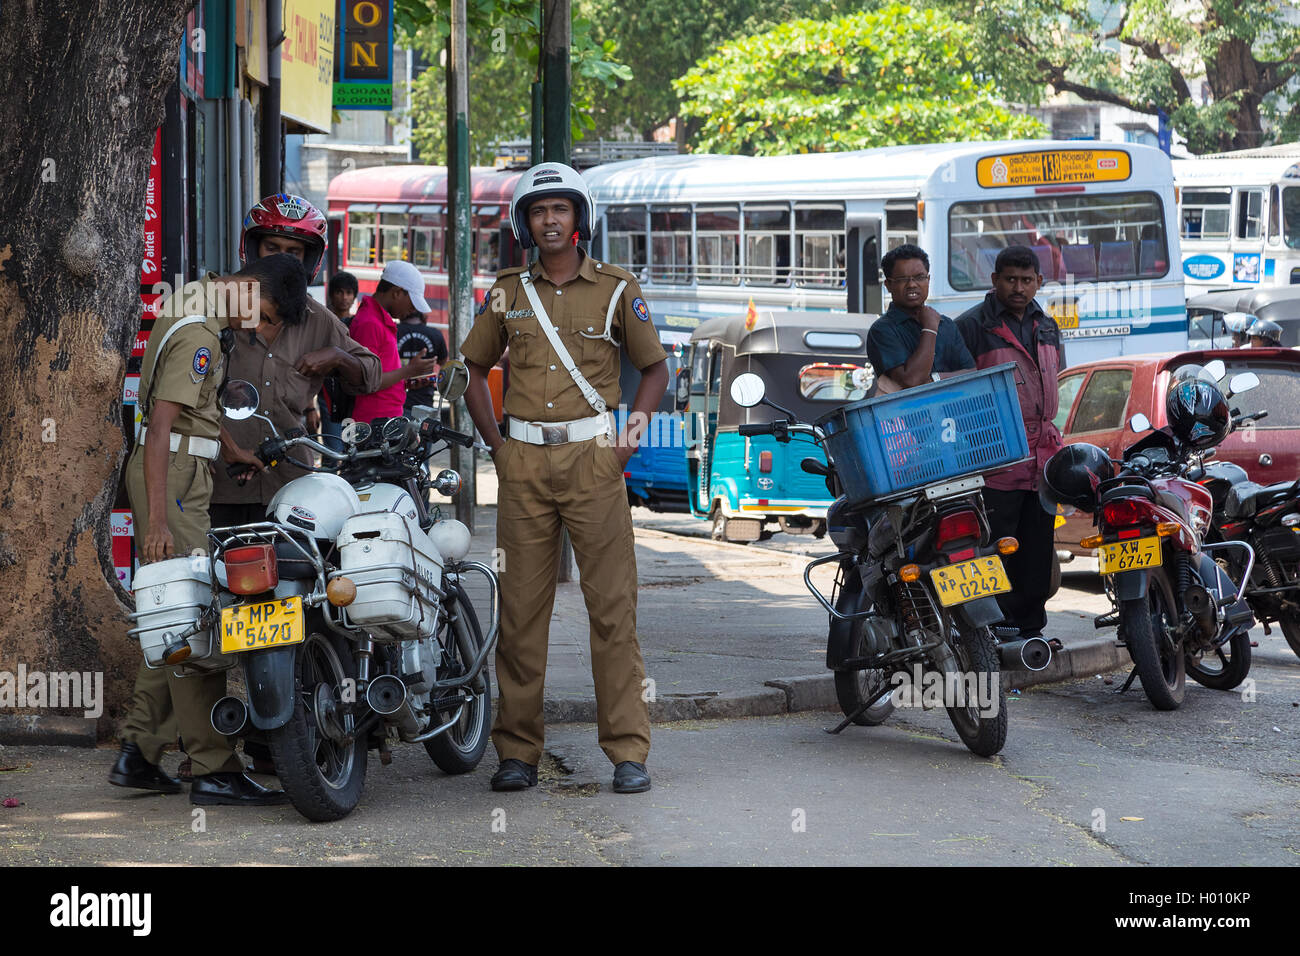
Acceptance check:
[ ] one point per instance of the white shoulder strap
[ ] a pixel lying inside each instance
(609, 317)
(590, 394)
(162, 344)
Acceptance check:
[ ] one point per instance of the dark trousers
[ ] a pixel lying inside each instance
(1019, 515)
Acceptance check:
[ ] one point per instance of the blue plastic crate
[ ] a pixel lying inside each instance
(887, 446)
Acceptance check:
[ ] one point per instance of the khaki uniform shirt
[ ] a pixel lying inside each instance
(284, 394)
(541, 389)
(188, 372)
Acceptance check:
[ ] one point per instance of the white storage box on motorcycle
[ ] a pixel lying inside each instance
(398, 573)
(169, 597)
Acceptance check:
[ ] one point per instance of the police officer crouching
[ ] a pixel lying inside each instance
(564, 321)
(169, 474)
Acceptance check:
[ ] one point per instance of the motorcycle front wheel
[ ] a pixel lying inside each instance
(1223, 667)
(982, 722)
(322, 774)
(1290, 625)
(1144, 625)
(460, 747)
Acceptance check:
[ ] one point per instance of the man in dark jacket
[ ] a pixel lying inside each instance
(1010, 326)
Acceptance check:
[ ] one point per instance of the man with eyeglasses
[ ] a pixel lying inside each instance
(911, 341)
(1010, 326)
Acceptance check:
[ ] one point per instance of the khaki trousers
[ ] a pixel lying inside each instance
(162, 702)
(578, 486)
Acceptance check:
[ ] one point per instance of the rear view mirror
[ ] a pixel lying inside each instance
(1242, 383)
(747, 390)
(1139, 423)
(453, 380)
(683, 396)
(239, 399)
(1217, 369)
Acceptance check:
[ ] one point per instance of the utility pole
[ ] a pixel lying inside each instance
(460, 305)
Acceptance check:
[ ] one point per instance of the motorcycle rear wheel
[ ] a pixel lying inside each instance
(1290, 625)
(1219, 670)
(1143, 623)
(976, 653)
(460, 747)
(323, 778)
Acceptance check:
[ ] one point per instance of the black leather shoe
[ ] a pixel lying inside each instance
(631, 777)
(514, 775)
(132, 770)
(233, 790)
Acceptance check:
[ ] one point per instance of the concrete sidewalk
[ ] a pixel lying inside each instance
(729, 630)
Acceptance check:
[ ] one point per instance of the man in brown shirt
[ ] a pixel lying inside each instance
(563, 468)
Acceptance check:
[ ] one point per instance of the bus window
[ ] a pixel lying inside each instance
(361, 238)
(1100, 236)
(819, 242)
(1250, 213)
(427, 240)
(717, 244)
(1291, 218)
(823, 382)
(626, 235)
(670, 245)
(767, 245)
(901, 226)
(392, 241)
(487, 240)
(1205, 213)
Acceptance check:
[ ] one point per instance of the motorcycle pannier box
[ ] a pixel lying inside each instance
(170, 596)
(398, 574)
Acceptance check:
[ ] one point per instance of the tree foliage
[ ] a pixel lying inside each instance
(503, 56)
(886, 77)
(1224, 70)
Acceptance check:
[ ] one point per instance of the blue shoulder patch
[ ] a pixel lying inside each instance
(202, 359)
(641, 309)
(482, 306)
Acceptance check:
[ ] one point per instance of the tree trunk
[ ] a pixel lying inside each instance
(81, 94)
(1235, 70)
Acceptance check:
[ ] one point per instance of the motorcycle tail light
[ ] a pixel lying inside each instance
(765, 462)
(1127, 511)
(251, 569)
(957, 525)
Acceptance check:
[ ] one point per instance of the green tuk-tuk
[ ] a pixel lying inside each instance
(810, 362)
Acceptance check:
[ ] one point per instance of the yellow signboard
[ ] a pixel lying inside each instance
(307, 63)
(1051, 167)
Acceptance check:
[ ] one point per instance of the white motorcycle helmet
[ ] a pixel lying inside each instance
(550, 179)
(316, 503)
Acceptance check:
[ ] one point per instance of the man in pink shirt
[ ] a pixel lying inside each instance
(399, 293)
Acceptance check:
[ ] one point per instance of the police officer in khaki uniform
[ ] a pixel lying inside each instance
(169, 473)
(564, 321)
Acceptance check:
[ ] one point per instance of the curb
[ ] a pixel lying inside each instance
(790, 695)
(47, 730)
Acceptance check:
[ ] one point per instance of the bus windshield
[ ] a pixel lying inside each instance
(1110, 236)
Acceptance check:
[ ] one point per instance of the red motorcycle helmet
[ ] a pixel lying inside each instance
(291, 217)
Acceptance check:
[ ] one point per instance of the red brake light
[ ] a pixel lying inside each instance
(1126, 511)
(765, 462)
(957, 525)
(251, 569)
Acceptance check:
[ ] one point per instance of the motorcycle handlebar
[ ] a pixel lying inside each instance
(767, 428)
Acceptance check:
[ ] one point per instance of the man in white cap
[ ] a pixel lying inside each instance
(400, 292)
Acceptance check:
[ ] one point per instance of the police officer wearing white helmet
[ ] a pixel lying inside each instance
(565, 320)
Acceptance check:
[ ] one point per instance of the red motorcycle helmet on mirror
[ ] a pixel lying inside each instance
(291, 217)
(1198, 413)
(1070, 479)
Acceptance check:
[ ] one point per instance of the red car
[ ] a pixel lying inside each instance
(1098, 399)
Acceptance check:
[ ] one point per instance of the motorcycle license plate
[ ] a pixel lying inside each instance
(1130, 555)
(968, 580)
(255, 627)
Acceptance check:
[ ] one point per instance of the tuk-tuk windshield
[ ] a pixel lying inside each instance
(824, 382)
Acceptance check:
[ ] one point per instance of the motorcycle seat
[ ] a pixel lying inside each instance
(292, 565)
(1246, 498)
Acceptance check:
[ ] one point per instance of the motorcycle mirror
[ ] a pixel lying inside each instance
(1243, 383)
(747, 390)
(1217, 369)
(239, 400)
(683, 396)
(1139, 423)
(355, 433)
(453, 380)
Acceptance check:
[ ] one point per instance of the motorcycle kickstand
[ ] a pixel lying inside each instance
(1132, 675)
(861, 709)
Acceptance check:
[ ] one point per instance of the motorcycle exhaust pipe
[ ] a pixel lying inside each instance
(1031, 653)
(386, 695)
(229, 716)
(1201, 603)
